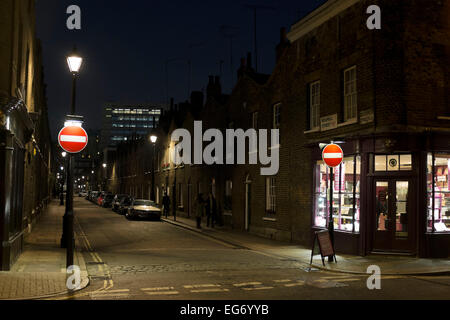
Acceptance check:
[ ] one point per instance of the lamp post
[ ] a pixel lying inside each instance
(331, 219)
(74, 62)
(153, 139)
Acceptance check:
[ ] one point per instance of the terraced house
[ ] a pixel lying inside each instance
(383, 94)
(25, 146)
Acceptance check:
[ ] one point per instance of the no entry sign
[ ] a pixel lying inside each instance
(332, 155)
(73, 139)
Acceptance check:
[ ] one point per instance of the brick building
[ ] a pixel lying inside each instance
(25, 146)
(384, 94)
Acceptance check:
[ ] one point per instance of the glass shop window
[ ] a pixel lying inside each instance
(395, 162)
(346, 194)
(438, 192)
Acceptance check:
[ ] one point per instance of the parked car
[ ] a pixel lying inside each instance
(124, 204)
(141, 208)
(94, 195)
(82, 194)
(107, 200)
(116, 201)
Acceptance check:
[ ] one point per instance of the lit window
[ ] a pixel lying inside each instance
(438, 187)
(394, 162)
(346, 194)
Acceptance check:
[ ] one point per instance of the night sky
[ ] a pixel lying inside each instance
(125, 45)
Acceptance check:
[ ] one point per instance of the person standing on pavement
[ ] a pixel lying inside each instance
(166, 204)
(211, 210)
(199, 207)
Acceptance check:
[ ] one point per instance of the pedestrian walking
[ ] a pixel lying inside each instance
(61, 198)
(211, 210)
(166, 204)
(199, 207)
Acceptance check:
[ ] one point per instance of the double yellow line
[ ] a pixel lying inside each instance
(107, 284)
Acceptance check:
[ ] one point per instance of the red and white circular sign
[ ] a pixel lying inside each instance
(73, 139)
(332, 154)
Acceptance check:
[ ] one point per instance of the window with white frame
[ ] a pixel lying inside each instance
(270, 195)
(350, 94)
(314, 105)
(255, 120)
(276, 115)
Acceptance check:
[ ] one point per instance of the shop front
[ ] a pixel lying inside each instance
(390, 195)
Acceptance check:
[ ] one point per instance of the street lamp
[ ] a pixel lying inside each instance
(74, 61)
(153, 139)
(64, 154)
(104, 165)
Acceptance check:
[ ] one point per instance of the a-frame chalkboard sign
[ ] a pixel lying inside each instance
(325, 245)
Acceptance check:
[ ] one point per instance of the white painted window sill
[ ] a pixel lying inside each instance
(269, 219)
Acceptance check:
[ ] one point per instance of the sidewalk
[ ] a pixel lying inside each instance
(40, 270)
(389, 265)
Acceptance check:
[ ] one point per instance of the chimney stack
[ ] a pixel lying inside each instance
(284, 43)
(218, 87)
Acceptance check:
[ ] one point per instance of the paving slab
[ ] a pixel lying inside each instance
(40, 271)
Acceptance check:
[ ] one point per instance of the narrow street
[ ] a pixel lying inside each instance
(156, 260)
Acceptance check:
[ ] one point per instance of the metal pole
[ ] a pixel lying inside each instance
(69, 213)
(74, 88)
(152, 195)
(331, 221)
(67, 239)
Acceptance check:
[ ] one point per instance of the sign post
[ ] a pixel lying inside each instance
(72, 139)
(332, 155)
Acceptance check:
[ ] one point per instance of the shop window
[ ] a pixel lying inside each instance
(346, 194)
(270, 195)
(314, 105)
(394, 162)
(438, 192)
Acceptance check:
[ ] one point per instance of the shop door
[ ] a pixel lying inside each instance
(393, 216)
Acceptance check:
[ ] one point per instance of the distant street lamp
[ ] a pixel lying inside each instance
(64, 154)
(104, 165)
(153, 139)
(74, 61)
